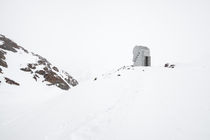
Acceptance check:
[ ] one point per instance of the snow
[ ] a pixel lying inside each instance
(1, 42)
(142, 103)
(88, 38)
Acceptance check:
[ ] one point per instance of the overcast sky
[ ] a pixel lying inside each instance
(97, 35)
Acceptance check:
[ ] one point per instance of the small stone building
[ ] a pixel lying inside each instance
(141, 56)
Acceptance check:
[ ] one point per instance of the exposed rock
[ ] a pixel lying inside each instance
(172, 66)
(27, 69)
(11, 82)
(35, 77)
(41, 68)
(2, 59)
(26, 51)
(32, 66)
(41, 72)
(56, 69)
(3, 63)
(54, 79)
(45, 68)
(41, 62)
(72, 82)
(167, 65)
(2, 53)
(49, 75)
(8, 44)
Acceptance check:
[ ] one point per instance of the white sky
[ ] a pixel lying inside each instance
(84, 36)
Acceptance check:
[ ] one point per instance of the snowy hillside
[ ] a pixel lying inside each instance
(103, 97)
(20, 67)
(131, 103)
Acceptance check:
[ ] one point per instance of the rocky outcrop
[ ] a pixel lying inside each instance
(167, 65)
(39, 68)
(2, 59)
(50, 73)
(10, 45)
(11, 82)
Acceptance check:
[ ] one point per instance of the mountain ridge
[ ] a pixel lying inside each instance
(39, 67)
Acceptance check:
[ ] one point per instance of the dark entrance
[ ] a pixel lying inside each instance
(147, 61)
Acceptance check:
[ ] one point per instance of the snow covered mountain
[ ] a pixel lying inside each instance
(131, 103)
(17, 63)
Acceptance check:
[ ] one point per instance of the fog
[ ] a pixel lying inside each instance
(91, 37)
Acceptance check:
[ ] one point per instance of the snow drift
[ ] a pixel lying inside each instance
(135, 103)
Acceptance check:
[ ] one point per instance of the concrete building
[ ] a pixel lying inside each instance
(141, 56)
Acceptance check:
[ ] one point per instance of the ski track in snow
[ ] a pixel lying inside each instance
(169, 103)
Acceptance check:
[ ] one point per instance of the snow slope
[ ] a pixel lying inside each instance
(26, 68)
(130, 103)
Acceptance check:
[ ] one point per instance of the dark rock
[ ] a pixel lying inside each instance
(172, 66)
(70, 80)
(95, 78)
(35, 77)
(74, 82)
(118, 75)
(2, 53)
(45, 68)
(11, 82)
(41, 62)
(2, 59)
(63, 86)
(27, 69)
(41, 72)
(50, 73)
(26, 51)
(166, 65)
(8, 44)
(54, 79)
(32, 66)
(55, 68)
(3, 63)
